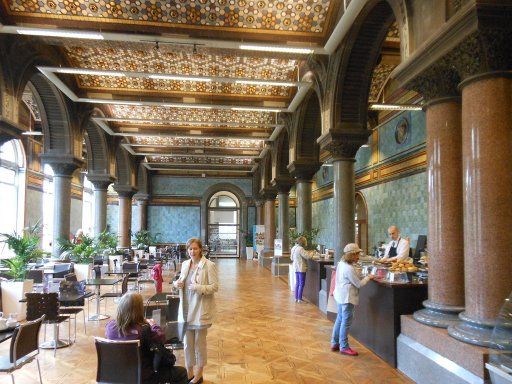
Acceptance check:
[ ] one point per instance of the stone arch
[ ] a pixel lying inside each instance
(124, 168)
(281, 156)
(99, 157)
(142, 179)
(266, 171)
(351, 66)
(240, 195)
(307, 128)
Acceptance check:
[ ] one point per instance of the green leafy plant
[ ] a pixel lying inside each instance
(106, 241)
(81, 252)
(25, 247)
(310, 236)
(143, 239)
(247, 235)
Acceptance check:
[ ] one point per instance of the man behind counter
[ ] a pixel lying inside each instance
(398, 248)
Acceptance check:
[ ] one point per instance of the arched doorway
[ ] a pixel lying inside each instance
(223, 224)
(361, 220)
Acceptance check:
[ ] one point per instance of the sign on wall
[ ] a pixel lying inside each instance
(258, 239)
(278, 247)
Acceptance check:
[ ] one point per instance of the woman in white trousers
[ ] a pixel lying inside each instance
(197, 284)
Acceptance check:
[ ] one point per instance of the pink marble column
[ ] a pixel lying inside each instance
(487, 183)
(445, 216)
(260, 214)
(270, 226)
(125, 218)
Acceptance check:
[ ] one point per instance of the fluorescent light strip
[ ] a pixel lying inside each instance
(265, 83)
(395, 107)
(268, 48)
(60, 33)
(180, 78)
(92, 72)
(32, 133)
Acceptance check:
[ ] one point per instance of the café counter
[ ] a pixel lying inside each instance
(316, 272)
(376, 322)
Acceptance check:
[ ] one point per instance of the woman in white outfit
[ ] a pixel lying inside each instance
(197, 284)
(299, 258)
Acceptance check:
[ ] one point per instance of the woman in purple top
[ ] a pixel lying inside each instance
(130, 324)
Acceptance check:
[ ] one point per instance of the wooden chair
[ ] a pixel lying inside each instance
(119, 362)
(24, 348)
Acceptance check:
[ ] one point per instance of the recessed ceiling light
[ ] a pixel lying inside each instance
(268, 83)
(60, 33)
(396, 107)
(32, 133)
(195, 106)
(255, 109)
(264, 48)
(180, 78)
(92, 72)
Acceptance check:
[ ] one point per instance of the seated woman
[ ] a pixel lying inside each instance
(130, 324)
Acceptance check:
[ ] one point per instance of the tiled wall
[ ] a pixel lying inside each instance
(174, 223)
(401, 202)
(76, 215)
(251, 219)
(323, 219)
(188, 186)
(112, 217)
(33, 207)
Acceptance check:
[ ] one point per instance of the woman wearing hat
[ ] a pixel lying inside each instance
(346, 294)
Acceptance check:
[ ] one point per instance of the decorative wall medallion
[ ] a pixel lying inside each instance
(402, 130)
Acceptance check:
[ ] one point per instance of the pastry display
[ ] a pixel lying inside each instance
(403, 266)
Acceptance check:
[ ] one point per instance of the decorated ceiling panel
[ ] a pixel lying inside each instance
(199, 142)
(290, 16)
(200, 160)
(189, 114)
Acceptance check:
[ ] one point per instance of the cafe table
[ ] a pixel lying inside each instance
(98, 283)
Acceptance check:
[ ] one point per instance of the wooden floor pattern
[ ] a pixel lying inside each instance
(260, 336)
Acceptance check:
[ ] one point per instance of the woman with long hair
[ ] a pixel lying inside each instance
(197, 284)
(130, 324)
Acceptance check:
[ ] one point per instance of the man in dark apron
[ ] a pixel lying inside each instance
(398, 248)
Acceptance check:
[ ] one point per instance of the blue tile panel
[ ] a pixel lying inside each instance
(188, 186)
(401, 202)
(388, 146)
(174, 223)
(323, 219)
(113, 218)
(251, 217)
(363, 158)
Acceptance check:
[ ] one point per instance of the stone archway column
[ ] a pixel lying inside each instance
(283, 219)
(487, 181)
(63, 170)
(125, 196)
(101, 184)
(270, 223)
(260, 213)
(304, 201)
(142, 203)
(445, 218)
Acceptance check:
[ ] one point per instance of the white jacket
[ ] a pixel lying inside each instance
(347, 284)
(201, 308)
(299, 258)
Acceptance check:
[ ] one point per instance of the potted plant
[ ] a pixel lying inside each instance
(142, 240)
(81, 253)
(25, 247)
(106, 244)
(248, 243)
(310, 236)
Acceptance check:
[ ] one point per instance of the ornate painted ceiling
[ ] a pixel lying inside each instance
(216, 79)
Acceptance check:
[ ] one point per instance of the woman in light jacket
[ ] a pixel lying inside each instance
(346, 294)
(197, 284)
(299, 258)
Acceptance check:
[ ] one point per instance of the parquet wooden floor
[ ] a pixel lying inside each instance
(260, 336)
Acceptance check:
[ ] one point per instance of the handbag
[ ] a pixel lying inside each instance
(162, 357)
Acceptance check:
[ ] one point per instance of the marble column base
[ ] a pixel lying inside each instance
(280, 265)
(438, 315)
(473, 332)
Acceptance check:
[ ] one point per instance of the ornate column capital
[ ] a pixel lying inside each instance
(142, 198)
(303, 169)
(62, 165)
(343, 144)
(125, 191)
(283, 184)
(100, 181)
(440, 81)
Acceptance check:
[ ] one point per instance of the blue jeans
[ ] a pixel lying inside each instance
(300, 280)
(342, 325)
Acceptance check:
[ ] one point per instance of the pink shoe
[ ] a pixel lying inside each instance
(348, 351)
(335, 347)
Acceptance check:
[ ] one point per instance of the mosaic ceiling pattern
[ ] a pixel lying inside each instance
(200, 160)
(380, 75)
(299, 16)
(196, 115)
(28, 99)
(199, 142)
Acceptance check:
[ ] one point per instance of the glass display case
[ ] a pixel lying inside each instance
(500, 359)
